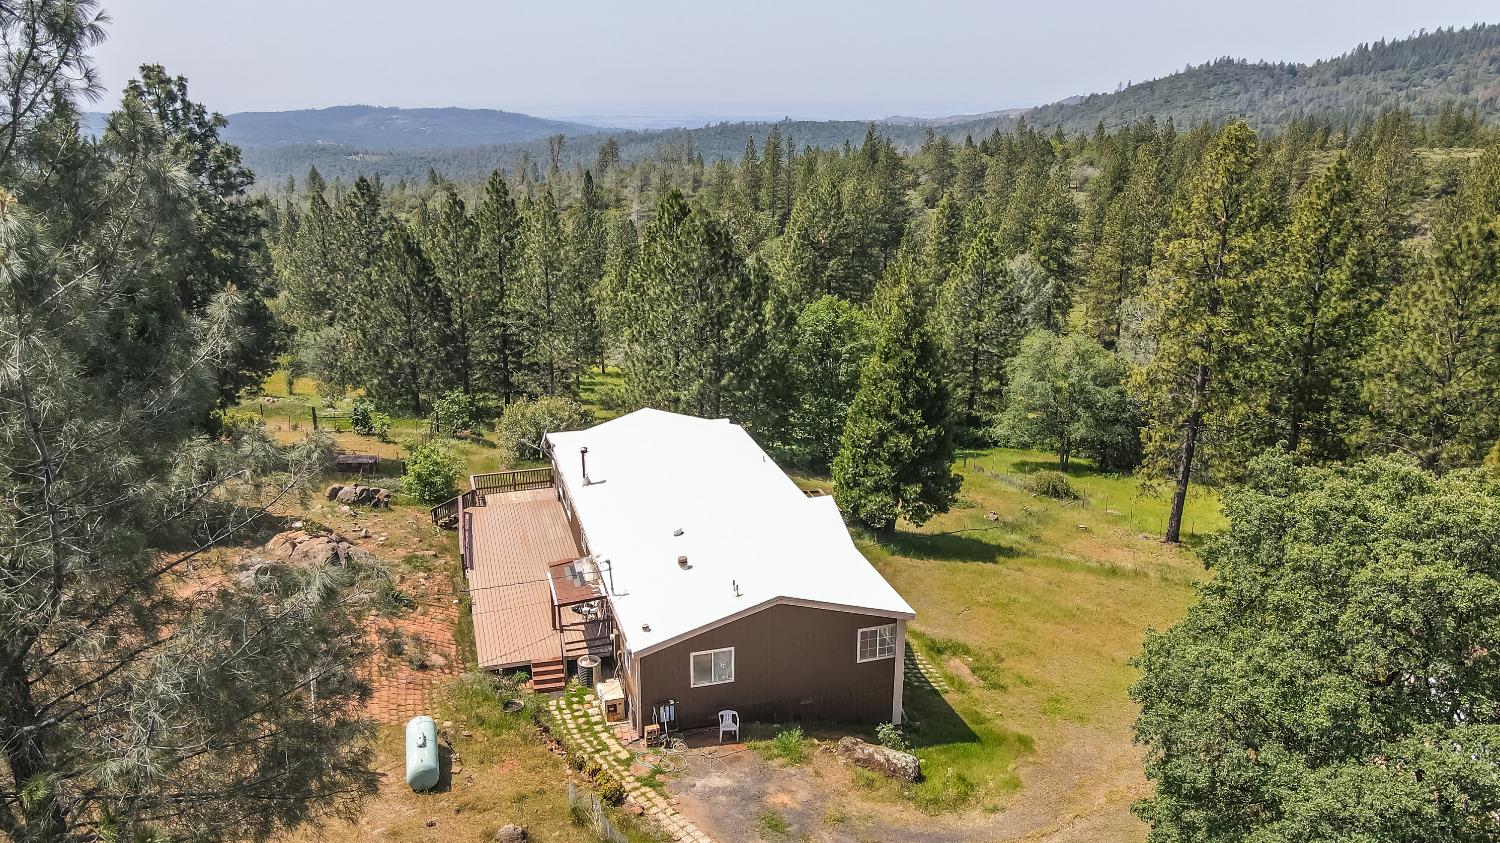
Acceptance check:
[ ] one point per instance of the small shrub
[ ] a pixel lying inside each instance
(432, 472)
(1052, 484)
(891, 737)
(362, 417)
(610, 790)
(456, 411)
(789, 745)
(575, 759)
(391, 599)
(773, 824)
(522, 425)
(592, 769)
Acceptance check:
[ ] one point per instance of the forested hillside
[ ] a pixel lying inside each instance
(1419, 74)
(1429, 75)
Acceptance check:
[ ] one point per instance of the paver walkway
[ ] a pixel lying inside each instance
(585, 729)
(920, 670)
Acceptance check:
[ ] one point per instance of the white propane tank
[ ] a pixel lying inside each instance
(422, 767)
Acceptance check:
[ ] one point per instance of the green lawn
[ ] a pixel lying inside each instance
(1031, 608)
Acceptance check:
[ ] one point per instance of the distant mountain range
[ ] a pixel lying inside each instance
(1420, 74)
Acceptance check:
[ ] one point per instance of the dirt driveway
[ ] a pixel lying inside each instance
(1080, 798)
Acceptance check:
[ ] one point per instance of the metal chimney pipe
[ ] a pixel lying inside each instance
(583, 459)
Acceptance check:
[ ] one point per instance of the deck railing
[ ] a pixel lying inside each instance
(445, 514)
(466, 539)
(512, 481)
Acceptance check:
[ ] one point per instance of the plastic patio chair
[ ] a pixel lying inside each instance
(729, 721)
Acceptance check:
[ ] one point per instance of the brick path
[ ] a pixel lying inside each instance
(585, 728)
(399, 690)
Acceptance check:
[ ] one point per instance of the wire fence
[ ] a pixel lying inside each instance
(588, 808)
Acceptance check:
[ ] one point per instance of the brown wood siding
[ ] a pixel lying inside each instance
(790, 663)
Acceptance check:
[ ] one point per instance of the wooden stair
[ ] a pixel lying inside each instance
(549, 675)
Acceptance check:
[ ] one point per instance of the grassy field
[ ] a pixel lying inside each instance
(1031, 609)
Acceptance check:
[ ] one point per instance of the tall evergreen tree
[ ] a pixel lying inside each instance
(399, 331)
(979, 323)
(546, 302)
(224, 244)
(144, 694)
(830, 344)
(586, 251)
(498, 335)
(1321, 295)
(1434, 364)
(451, 242)
(1124, 248)
(1202, 317)
(895, 457)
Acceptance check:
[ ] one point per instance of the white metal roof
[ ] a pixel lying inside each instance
(744, 524)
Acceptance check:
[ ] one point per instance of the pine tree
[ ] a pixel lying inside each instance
(451, 242)
(225, 243)
(1434, 365)
(1321, 296)
(775, 193)
(399, 327)
(690, 314)
(979, 323)
(586, 250)
(146, 690)
(1050, 242)
(497, 263)
(1202, 316)
(1124, 249)
(546, 301)
(621, 249)
(828, 350)
(943, 241)
(895, 457)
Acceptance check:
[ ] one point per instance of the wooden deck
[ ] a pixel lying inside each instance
(516, 536)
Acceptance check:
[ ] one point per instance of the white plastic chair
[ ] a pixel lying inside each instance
(729, 721)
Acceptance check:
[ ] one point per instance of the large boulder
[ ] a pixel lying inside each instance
(887, 762)
(314, 549)
(356, 495)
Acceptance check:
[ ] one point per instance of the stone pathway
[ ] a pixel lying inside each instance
(920, 670)
(583, 723)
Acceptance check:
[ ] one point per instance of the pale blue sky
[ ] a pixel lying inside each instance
(763, 58)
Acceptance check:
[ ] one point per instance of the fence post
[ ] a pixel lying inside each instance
(315, 417)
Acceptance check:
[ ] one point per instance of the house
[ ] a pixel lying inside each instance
(675, 549)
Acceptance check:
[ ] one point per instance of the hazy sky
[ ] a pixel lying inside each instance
(764, 58)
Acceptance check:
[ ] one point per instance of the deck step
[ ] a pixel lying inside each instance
(549, 675)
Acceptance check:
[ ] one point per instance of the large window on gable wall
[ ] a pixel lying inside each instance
(712, 667)
(876, 642)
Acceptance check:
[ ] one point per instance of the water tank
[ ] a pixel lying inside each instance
(422, 769)
(586, 667)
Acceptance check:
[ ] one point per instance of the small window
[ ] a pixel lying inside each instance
(877, 642)
(713, 667)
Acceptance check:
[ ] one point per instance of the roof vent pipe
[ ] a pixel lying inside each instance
(583, 460)
(736, 585)
(683, 563)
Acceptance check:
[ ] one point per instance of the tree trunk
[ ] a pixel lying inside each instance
(21, 737)
(1189, 446)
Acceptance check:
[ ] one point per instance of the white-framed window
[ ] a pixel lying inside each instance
(876, 642)
(712, 667)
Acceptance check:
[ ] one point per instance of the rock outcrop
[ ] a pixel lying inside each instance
(357, 495)
(888, 762)
(300, 547)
